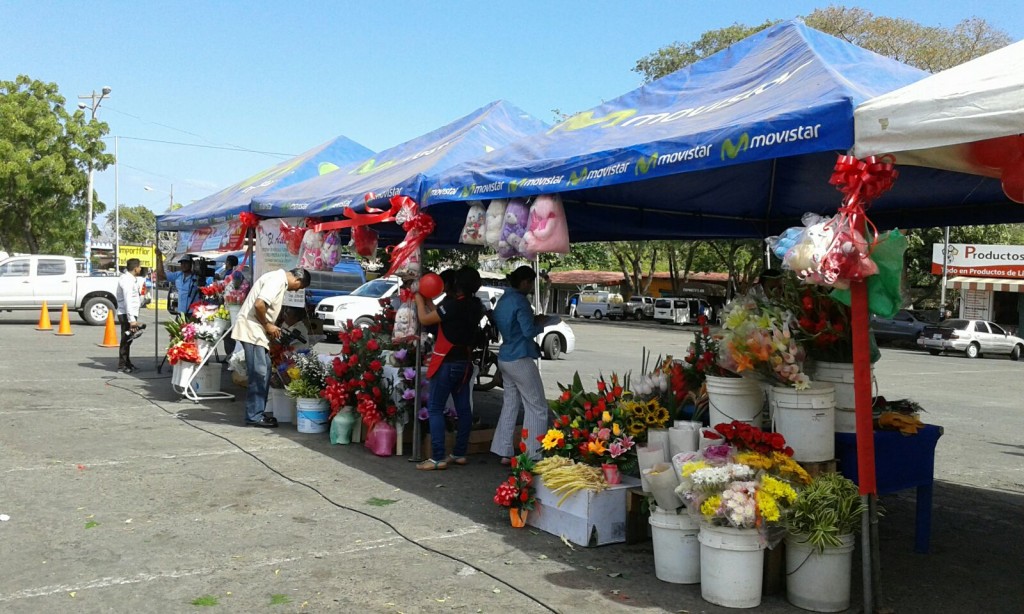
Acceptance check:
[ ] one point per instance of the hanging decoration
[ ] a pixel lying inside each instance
(495, 221)
(405, 257)
(248, 219)
(513, 233)
(292, 237)
(474, 229)
(548, 231)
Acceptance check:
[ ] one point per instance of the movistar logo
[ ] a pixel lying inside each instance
(467, 191)
(370, 166)
(575, 179)
(645, 164)
(731, 150)
(513, 185)
(587, 119)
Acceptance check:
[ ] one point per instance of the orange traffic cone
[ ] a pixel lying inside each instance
(109, 335)
(65, 324)
(44, 319)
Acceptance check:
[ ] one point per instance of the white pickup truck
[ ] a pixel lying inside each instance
(27, 281)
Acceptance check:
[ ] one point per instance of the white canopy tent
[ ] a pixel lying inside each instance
(930, 122)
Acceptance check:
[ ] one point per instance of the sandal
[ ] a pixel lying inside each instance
(457, 460)
(432, 465)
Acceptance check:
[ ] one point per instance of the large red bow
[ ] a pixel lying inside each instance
(371, 215)
(248, 219)
(417, 228)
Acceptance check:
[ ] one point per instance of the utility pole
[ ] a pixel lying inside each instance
(95, 100)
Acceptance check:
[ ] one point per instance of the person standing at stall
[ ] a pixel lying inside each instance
(254, 329)
(517, 360)
(450, 369)
(128, 303)
(186, 281)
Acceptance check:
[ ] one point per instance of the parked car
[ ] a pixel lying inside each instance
(27, 281)
(972, 337)
(680, 310)
(346, 276)
(640, 307)
(557, 339)
(359, 306)
(906, 325)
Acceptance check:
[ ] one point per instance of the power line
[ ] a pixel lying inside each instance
(243, 150)
(198, 136)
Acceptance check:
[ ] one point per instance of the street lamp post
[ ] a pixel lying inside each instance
(95, 100)
(151, 189)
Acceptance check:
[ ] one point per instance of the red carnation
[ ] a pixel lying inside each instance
(372, 345)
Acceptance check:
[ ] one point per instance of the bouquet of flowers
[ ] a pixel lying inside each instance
(599, 428)
(516, 492)
(307, 376)
(183, 345)
(757, 340)
(356, 378)
(186, 351)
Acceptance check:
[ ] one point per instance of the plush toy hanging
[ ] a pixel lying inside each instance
(511, 244)
(473, 231)
(312, 255)
(495, 222)
(548, 231)
(332, 249)
(405, 322)
(405, 257)
(292, 237)
(364, 241)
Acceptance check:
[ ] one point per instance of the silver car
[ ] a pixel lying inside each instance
(972, 337)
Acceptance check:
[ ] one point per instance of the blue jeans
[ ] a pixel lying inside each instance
(257, 369)
(453, 378)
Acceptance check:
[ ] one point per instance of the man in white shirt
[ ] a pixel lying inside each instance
(128, 301)
(254, 329)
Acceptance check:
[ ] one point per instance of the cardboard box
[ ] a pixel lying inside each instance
(586, 518)
(479, 441)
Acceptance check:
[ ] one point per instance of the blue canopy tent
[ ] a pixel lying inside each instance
(229, 202)
(404, 169)
(740, 144)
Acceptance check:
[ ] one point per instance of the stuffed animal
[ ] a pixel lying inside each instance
(548, 231)
(292, 236)
(517, 216)
(405, 322)
(312, 258)
(473, 231)
(494, 222)
(332, 249)
(410, 269)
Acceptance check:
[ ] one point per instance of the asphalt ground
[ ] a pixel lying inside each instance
(122, 498)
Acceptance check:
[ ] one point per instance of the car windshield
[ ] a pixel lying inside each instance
(956, 324)
(373, 289)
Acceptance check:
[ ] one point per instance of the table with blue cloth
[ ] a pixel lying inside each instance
(901, 462)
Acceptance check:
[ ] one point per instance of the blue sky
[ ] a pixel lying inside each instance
(286, 76)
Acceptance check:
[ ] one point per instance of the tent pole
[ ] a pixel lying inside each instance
(865, 427)
(536, 299)
(417, 444)
(945, 273)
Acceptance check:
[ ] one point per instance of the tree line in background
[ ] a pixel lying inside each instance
(926, 47)
(46, 152)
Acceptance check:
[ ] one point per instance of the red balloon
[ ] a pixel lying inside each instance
(431, 286)
(1013, 181)
(997, 153)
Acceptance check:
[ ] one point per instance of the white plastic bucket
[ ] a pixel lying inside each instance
(818, 581)
(734, 398)
(840, 375)
(312, 415)
(281, 405)
(731, 566)
(205, 381)
(806, 418)
(676, 548)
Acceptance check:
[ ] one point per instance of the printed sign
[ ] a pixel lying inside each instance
(229, 236)
(272, 254)
(976, 304)
(972, 260)
(145, 253)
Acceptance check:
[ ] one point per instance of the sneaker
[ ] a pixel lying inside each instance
(265, 423)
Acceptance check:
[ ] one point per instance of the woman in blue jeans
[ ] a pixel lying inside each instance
(450, 369)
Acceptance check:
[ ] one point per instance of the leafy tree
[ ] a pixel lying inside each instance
(45, 154)
(138, 225)
(926, 47)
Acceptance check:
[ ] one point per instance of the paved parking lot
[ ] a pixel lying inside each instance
(123, 499)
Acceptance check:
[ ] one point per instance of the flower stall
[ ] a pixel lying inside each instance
(194, 336)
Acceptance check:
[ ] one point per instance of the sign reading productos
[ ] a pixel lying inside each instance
(973, 260)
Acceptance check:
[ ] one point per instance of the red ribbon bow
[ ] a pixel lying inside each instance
(248, 219)
(371, 215)
(417, 228)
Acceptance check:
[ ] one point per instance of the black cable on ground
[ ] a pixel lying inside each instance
(110, 382)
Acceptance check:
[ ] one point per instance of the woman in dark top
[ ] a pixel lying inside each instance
(450, 369)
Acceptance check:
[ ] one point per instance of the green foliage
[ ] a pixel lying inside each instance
(671, 58)
(585, 256)
(91, 524)
(378, 502)
(138, 225)
(923, 288)
(205, 600)
(45, 155)
(279, 599)
(825, 510)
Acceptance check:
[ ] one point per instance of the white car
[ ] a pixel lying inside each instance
(972, 337)
(557, 339)
(360, 306)
(26, 282)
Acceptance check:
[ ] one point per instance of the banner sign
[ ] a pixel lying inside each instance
(972, 260)
(145, 253)
(225, 237)
(272, 254)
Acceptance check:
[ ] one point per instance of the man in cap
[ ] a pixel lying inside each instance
(254, 329)
(186, 281)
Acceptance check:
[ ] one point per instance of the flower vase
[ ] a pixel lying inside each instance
(611, 473)
(517, 516)
(731, 566)
(381, 439)
(341, 426)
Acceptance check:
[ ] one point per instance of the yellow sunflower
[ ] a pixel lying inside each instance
(637, 427)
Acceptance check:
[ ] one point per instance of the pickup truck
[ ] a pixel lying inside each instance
(27, 281)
